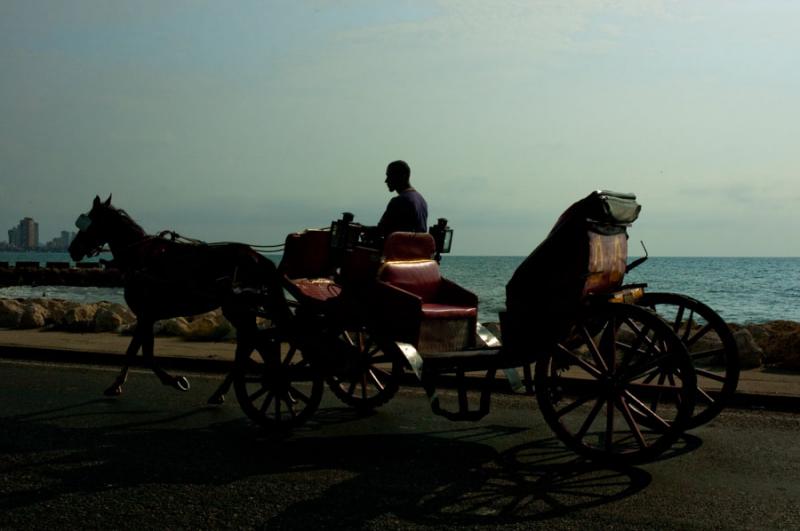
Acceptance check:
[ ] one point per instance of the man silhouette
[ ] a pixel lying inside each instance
(408, 211)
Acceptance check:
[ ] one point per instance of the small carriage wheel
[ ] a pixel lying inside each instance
(372, 372)
(711, 346)
(275, 384)
(591, 388)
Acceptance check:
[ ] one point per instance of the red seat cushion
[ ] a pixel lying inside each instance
(420, 277)
(316, 289)
(446, 311)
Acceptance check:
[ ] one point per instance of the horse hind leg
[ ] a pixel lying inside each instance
(246, 331)
(218, 397)
(115, 389)
(180, 383)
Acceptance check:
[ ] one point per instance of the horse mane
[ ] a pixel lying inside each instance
(127, 220)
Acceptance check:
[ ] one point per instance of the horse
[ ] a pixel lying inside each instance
(165, 278)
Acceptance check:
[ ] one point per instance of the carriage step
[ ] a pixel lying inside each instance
(431, 367)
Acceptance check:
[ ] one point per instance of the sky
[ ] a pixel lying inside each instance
(247, 120)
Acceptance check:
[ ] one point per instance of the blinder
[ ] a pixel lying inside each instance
(83, 222)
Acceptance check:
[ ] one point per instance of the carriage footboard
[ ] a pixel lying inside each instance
(471, 373)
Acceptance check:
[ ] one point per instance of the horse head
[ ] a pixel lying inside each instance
(103, 224)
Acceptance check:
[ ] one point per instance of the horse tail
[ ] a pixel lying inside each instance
(278, 305)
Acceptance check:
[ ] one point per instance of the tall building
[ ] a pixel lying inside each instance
(30, 233)
(25, 235)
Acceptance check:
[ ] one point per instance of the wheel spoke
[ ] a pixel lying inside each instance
(638, 370)
(289, 355)
(378, 371)
(707, 354)
(646, 410)
(383, 358)
(576, 404)
(626, 413)
(295, 392)
(580, 361)
(678, 319)
(348, 338)
(652, 375)
(710, 375)
(587, 423)
(596, 356)
(609, 423)
(688, 331)
(657, 399)
(700, 333)
(258, 394)
(608, 344)
(267, 402)
(641, 337)
(376, 381)
(705, 396)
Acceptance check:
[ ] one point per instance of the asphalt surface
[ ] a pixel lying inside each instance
(159, 458)
(758, 389)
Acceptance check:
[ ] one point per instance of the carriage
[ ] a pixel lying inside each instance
(619, 373)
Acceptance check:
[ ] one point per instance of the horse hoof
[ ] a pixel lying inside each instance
(216, 399)
(114, 390)
(182, 383)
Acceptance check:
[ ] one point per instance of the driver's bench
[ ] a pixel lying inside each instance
(416, 304)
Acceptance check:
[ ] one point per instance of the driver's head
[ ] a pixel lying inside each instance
(398, 175)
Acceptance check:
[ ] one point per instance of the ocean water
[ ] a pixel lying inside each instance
(741, 290)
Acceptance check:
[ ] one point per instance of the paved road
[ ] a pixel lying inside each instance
(157, 458)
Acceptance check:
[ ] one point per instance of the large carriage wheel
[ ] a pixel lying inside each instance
(592, 388)
(710, 344)
(275, 384)
(372, 373)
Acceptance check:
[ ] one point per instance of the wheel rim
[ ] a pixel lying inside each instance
(276, 386)
(593, 391)
(371, 376)
(711, 346)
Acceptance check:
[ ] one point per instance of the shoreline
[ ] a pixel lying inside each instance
(769, 345)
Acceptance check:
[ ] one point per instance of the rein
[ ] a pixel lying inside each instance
(171, 235)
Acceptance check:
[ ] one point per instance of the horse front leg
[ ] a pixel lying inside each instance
(148, 346)
(133, 347)
(245, 337)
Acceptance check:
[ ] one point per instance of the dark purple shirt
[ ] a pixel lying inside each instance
(408, 212)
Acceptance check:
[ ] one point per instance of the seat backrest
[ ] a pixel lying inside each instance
(409, 246)
(307, 254)
(408, 264)
(420, 277)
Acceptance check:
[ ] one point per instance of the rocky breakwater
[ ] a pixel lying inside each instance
(770, 345)
(62, 315)
(59, 274)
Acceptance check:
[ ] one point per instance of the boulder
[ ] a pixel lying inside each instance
(10, 313)
(110, 317)
(781, 344)
(80, 318)
(178, 326)
(211, 326)
(750, 353)
(33, 315)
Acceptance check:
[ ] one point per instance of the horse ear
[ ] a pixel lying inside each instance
(96, 202)
(108, 201)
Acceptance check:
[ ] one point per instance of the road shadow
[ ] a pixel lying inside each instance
(312, 480)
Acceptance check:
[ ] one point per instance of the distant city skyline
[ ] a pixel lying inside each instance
(26, 236)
